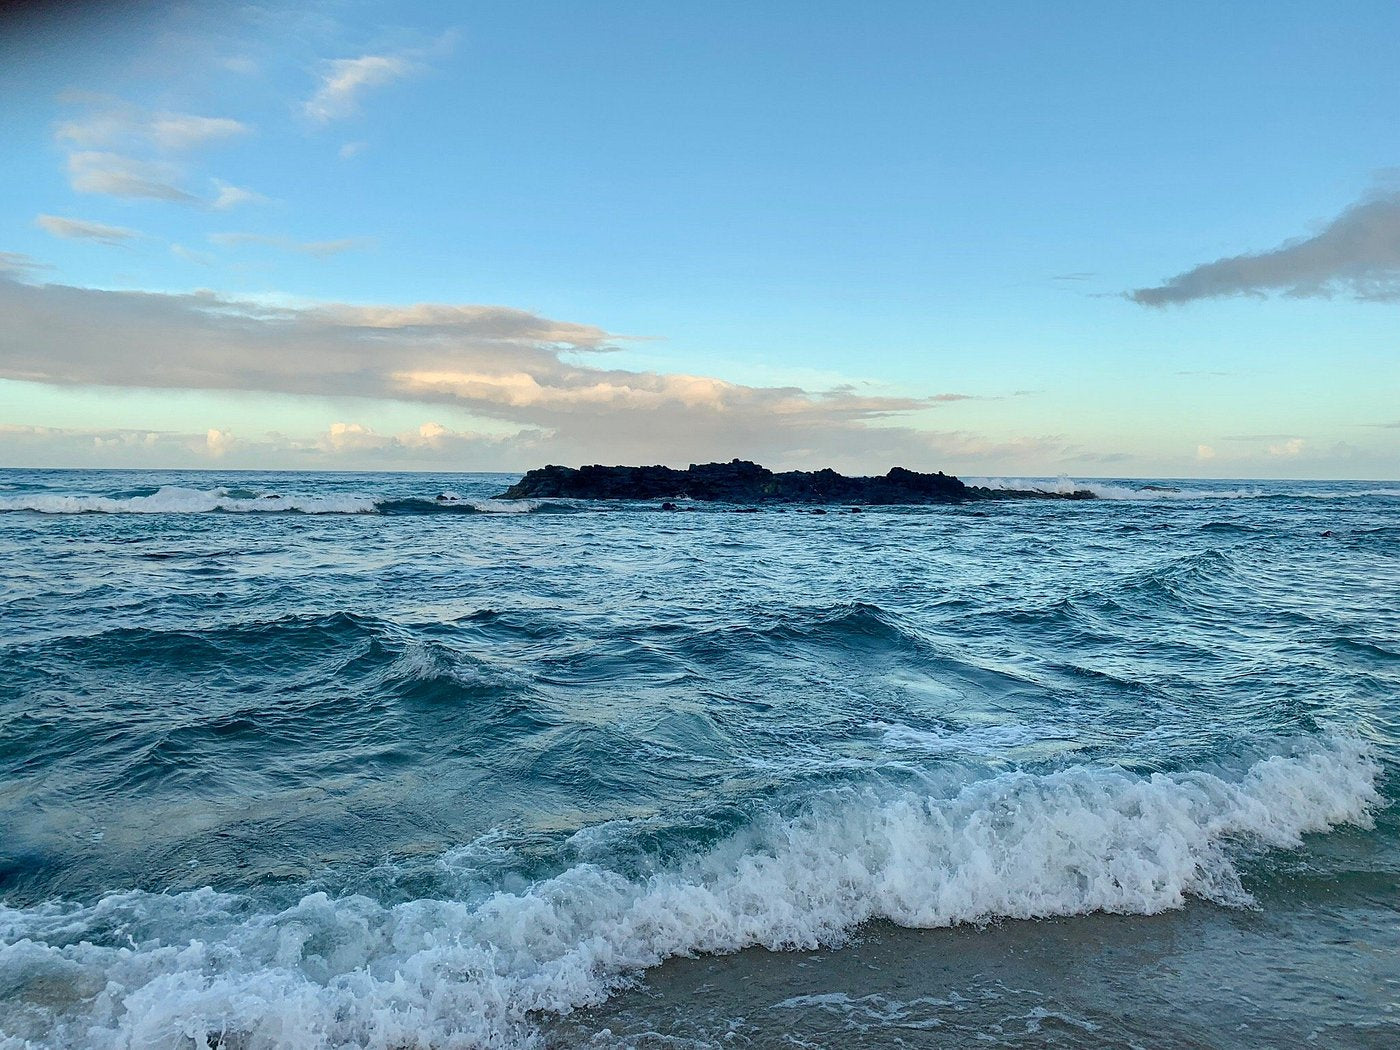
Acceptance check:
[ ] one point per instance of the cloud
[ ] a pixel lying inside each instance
(320, 249)
(517, 369)
(1204, 452)
(119, 176)
(232, 196)
(201, 258)
(1290, 449)
(17, 264)
(182, 131)
(352, 149)
(119, 125)
(340, 446)
(344, 80)
(427, 441)
(125, 151)
(1357, 253)
(218, 442)
(80, 229)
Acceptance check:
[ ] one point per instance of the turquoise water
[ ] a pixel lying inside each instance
(299, 760)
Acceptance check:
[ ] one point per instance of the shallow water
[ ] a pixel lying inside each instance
(297, 760)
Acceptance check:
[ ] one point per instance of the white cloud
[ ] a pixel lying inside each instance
(352, 149)
(230, 196)
(125, 151)
(1289, 449)
(81, 229)
(1204, 452)
(182, 131)
(120, 125)
(218, 442)
(344, 80)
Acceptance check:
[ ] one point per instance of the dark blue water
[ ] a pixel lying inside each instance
(298, 760)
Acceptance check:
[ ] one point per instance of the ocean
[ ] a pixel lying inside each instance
(296, 760)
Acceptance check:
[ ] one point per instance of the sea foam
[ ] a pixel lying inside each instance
(172, 499)
(176, 970)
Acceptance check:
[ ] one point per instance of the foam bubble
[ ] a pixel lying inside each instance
(166, 971)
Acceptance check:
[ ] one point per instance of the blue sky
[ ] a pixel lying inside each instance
(981, 238)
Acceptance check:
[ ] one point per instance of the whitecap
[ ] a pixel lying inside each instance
(173, 970)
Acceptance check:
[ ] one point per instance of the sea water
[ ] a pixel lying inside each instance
(372, 760)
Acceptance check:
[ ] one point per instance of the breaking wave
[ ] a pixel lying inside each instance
(202, 968)
(1166, 490)
(171, 499)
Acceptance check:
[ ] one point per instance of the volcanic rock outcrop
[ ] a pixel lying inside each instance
(740, 481)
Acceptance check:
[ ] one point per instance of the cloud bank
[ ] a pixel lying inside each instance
(1357, 253)
(543, 378)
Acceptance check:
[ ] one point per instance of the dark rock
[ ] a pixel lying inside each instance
(668, 506)
(740, 481)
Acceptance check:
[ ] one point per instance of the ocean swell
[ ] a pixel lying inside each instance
(202, 968)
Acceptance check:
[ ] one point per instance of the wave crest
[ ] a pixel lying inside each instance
(158, 971)
(172, 499)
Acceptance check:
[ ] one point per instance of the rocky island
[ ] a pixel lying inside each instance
(740, 481)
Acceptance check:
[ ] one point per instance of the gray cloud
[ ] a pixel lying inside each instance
(1357, 253)
(81, 229)
(17, 264)
(112, 174)
(509, 366)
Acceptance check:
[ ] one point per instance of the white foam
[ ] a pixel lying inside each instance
(171, 499)
(505, 506)
(1104, 490)
(153, 971)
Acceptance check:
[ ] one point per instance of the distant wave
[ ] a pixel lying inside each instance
(202, 968)
(171, 499)
(1108, 490)
(1152, 490)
